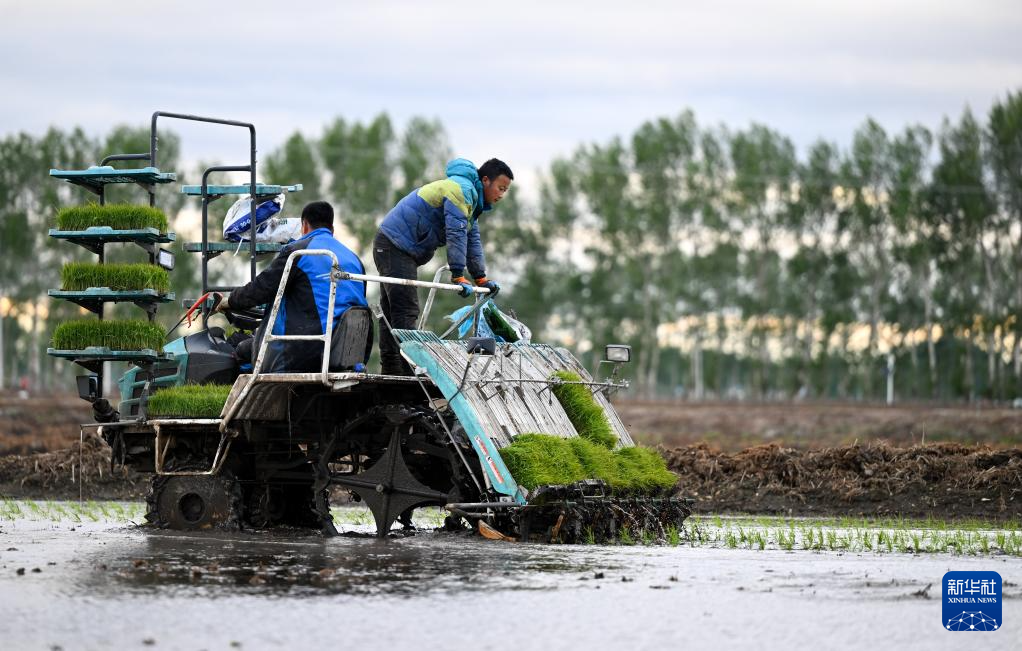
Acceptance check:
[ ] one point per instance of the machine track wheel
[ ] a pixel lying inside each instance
(265, 505)
(190, 502)
(390, 487)
(269, 504)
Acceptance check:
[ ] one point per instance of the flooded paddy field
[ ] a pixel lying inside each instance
(83, 576)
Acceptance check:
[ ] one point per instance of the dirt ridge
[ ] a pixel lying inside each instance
(942, 480)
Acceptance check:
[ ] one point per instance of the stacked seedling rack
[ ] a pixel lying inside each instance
(146, 285)
(92, 286)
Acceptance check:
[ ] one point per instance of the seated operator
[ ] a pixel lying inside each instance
(304, 307)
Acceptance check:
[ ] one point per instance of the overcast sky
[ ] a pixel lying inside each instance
(522, 80)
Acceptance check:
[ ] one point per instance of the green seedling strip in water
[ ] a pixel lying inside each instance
(122, 217)
(115, 335)
(80, 276)
(190, 401)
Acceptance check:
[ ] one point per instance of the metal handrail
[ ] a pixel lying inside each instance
(429, 299)
(336, 274)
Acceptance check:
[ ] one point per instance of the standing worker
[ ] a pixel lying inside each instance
(438, 213)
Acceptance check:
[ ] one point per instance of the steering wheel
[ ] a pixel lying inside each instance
(242, 319)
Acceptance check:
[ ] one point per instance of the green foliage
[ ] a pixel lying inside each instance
(189, 401)
(116, 216)
(540, 459)
(77, 276)
(116, 335)
(585, 414)
(294, 163)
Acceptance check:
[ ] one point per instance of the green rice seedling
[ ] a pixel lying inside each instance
(730, 539)
(585, 414)
(643, 469)
(590, 536)
(120, 217)
(673, 536)
(786, 540)
(189, 401)
(625, 536)
(79, 276)
(538, 459)
(598, 462)
(116, 335)
(647, 537)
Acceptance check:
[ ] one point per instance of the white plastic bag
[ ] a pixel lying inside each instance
(238, 222)
(279, 229)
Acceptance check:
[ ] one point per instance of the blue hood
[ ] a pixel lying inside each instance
(464, 172)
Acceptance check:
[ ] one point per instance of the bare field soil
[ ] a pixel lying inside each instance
(733, 426)
(40, 423)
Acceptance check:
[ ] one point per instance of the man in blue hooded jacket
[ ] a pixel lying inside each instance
(444, 212)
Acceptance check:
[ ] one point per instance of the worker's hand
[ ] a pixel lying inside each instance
(219, 302)
(488, 284)
(466, 287)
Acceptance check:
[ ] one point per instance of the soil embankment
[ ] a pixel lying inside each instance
(942, 480)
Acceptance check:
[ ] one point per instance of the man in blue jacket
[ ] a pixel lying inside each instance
(442, 212)
(304, 308)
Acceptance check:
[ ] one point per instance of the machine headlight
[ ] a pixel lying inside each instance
(618, 353)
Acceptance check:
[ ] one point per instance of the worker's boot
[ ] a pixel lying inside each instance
(395, 367)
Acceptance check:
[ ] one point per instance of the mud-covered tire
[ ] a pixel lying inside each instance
(267, 506)
(191, 502)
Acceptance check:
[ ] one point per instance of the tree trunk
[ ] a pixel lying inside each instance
(3, 359)
(931, 346)
(914, 385)
(970, 387)
(698, 388)
(35, 358)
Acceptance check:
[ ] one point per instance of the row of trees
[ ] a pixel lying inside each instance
(734, 265)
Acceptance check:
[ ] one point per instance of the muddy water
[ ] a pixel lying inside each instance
(104, 585)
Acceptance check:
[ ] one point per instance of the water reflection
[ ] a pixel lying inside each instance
(212, 563)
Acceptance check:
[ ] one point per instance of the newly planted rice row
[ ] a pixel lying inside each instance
(864, 536)
(859, 536)
(75, 512)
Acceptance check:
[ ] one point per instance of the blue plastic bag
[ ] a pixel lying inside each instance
(514, 329)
